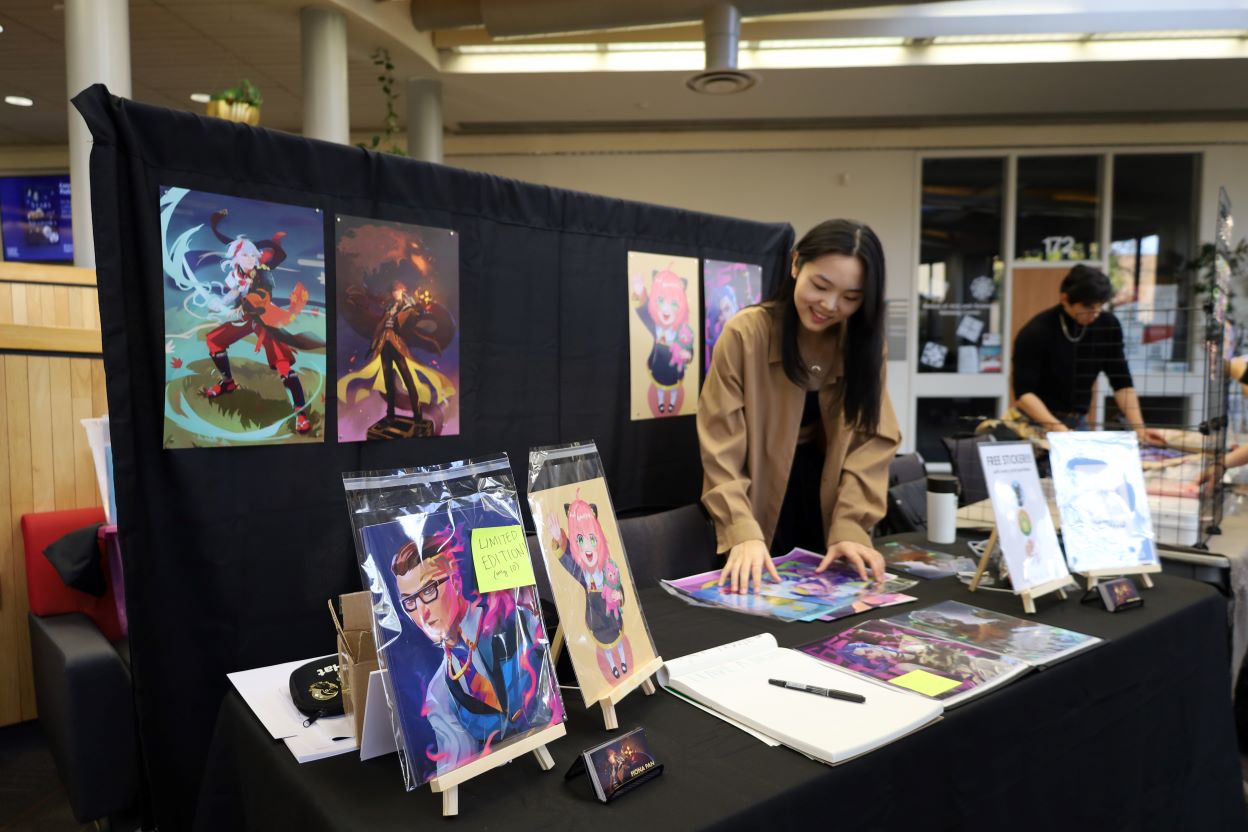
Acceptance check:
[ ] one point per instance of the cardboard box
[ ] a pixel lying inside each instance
(357, 653)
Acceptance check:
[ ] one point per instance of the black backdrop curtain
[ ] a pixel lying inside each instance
(231, 553)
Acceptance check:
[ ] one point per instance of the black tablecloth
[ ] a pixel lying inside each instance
(1136, 734)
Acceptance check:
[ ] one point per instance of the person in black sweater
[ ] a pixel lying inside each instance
(1060, 352)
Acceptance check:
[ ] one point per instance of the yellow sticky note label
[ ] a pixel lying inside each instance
(928, 684)
(500, 557)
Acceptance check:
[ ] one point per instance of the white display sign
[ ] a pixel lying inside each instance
(1099, 485)
(1024, 527)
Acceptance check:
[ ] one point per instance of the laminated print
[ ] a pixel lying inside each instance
(1098, 482)
(727, 289)
(1025, 528)
(398, 331)
(468, 672)
(244, 310)
(923, 563)
(662, 335)
(1028, 641)
(801, 594)
(946, 670)
(603, 623)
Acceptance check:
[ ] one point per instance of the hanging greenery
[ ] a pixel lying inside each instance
(386, 140)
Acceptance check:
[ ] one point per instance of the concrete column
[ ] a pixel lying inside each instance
(97, 51)
(424, 120)
(326, 110)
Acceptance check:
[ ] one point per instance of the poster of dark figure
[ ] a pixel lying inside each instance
(398, 330)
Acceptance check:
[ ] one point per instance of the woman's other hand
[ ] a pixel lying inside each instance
(860, 557)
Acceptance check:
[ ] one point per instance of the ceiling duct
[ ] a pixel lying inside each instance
(722, 29)
(519, 18)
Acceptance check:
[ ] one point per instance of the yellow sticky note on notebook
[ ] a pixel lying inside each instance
(928, 684)
(500, 557)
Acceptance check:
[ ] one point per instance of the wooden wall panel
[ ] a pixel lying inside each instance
(45, 459)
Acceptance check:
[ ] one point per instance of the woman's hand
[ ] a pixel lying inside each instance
(855, 554)
(746, 562)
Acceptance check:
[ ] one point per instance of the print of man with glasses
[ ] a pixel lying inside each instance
(493, 648)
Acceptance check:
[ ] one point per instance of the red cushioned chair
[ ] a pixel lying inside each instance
(81, 663)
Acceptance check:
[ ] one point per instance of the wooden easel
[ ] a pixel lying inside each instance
(1094, 575)
(448, 784)
(640, 678)
(1028, 595)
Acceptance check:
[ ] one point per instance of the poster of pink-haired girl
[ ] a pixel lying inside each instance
(663, 335)
(606, 633)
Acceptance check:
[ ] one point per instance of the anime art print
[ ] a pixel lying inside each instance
(839, 588)
(801, 594)
(592, 584)
(662, 334)
(244, 309)
(1098, 482)
(885, 652)
(727, 289)
(469, 671)
(398, 331)
(1028, 641)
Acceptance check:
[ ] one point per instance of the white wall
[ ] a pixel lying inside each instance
(806, 177)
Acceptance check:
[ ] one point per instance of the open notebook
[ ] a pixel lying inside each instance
(733, 680)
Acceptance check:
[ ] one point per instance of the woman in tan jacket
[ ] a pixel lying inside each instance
(794, 421)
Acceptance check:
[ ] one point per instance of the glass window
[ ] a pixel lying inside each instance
(941, 417)
(960, 266)
(1153, 226)
(1153, 237)
(1059, 208)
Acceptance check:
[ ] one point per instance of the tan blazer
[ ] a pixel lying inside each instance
(749, 414)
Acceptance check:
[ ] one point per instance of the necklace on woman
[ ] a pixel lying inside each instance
(1074, 339)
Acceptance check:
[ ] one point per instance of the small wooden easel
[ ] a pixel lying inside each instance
(1028, 595)
(1094, 575)
(639, 679)
(448, 784)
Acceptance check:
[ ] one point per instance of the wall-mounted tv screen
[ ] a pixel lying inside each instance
(35, 219)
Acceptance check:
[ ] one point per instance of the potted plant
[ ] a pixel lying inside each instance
(240, 103)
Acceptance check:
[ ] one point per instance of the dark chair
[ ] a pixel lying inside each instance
(906, 468)
(963, 453)
(669, 544)
(907, 496)
(81, 663)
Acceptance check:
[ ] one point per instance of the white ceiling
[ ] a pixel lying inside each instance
(184, 46)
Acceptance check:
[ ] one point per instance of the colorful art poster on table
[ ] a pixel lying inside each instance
(1025, 530)
(945, 670)
(839, 588)
(398, 331)
(662, 335)
(727, 288)
(469, 672)
(1028, 641)
(603, 624)
(1098, 483)
(801, 594)
(244, 310)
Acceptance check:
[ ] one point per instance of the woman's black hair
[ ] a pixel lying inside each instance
(864, 344)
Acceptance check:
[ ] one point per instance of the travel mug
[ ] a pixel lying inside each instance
(942, 508)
